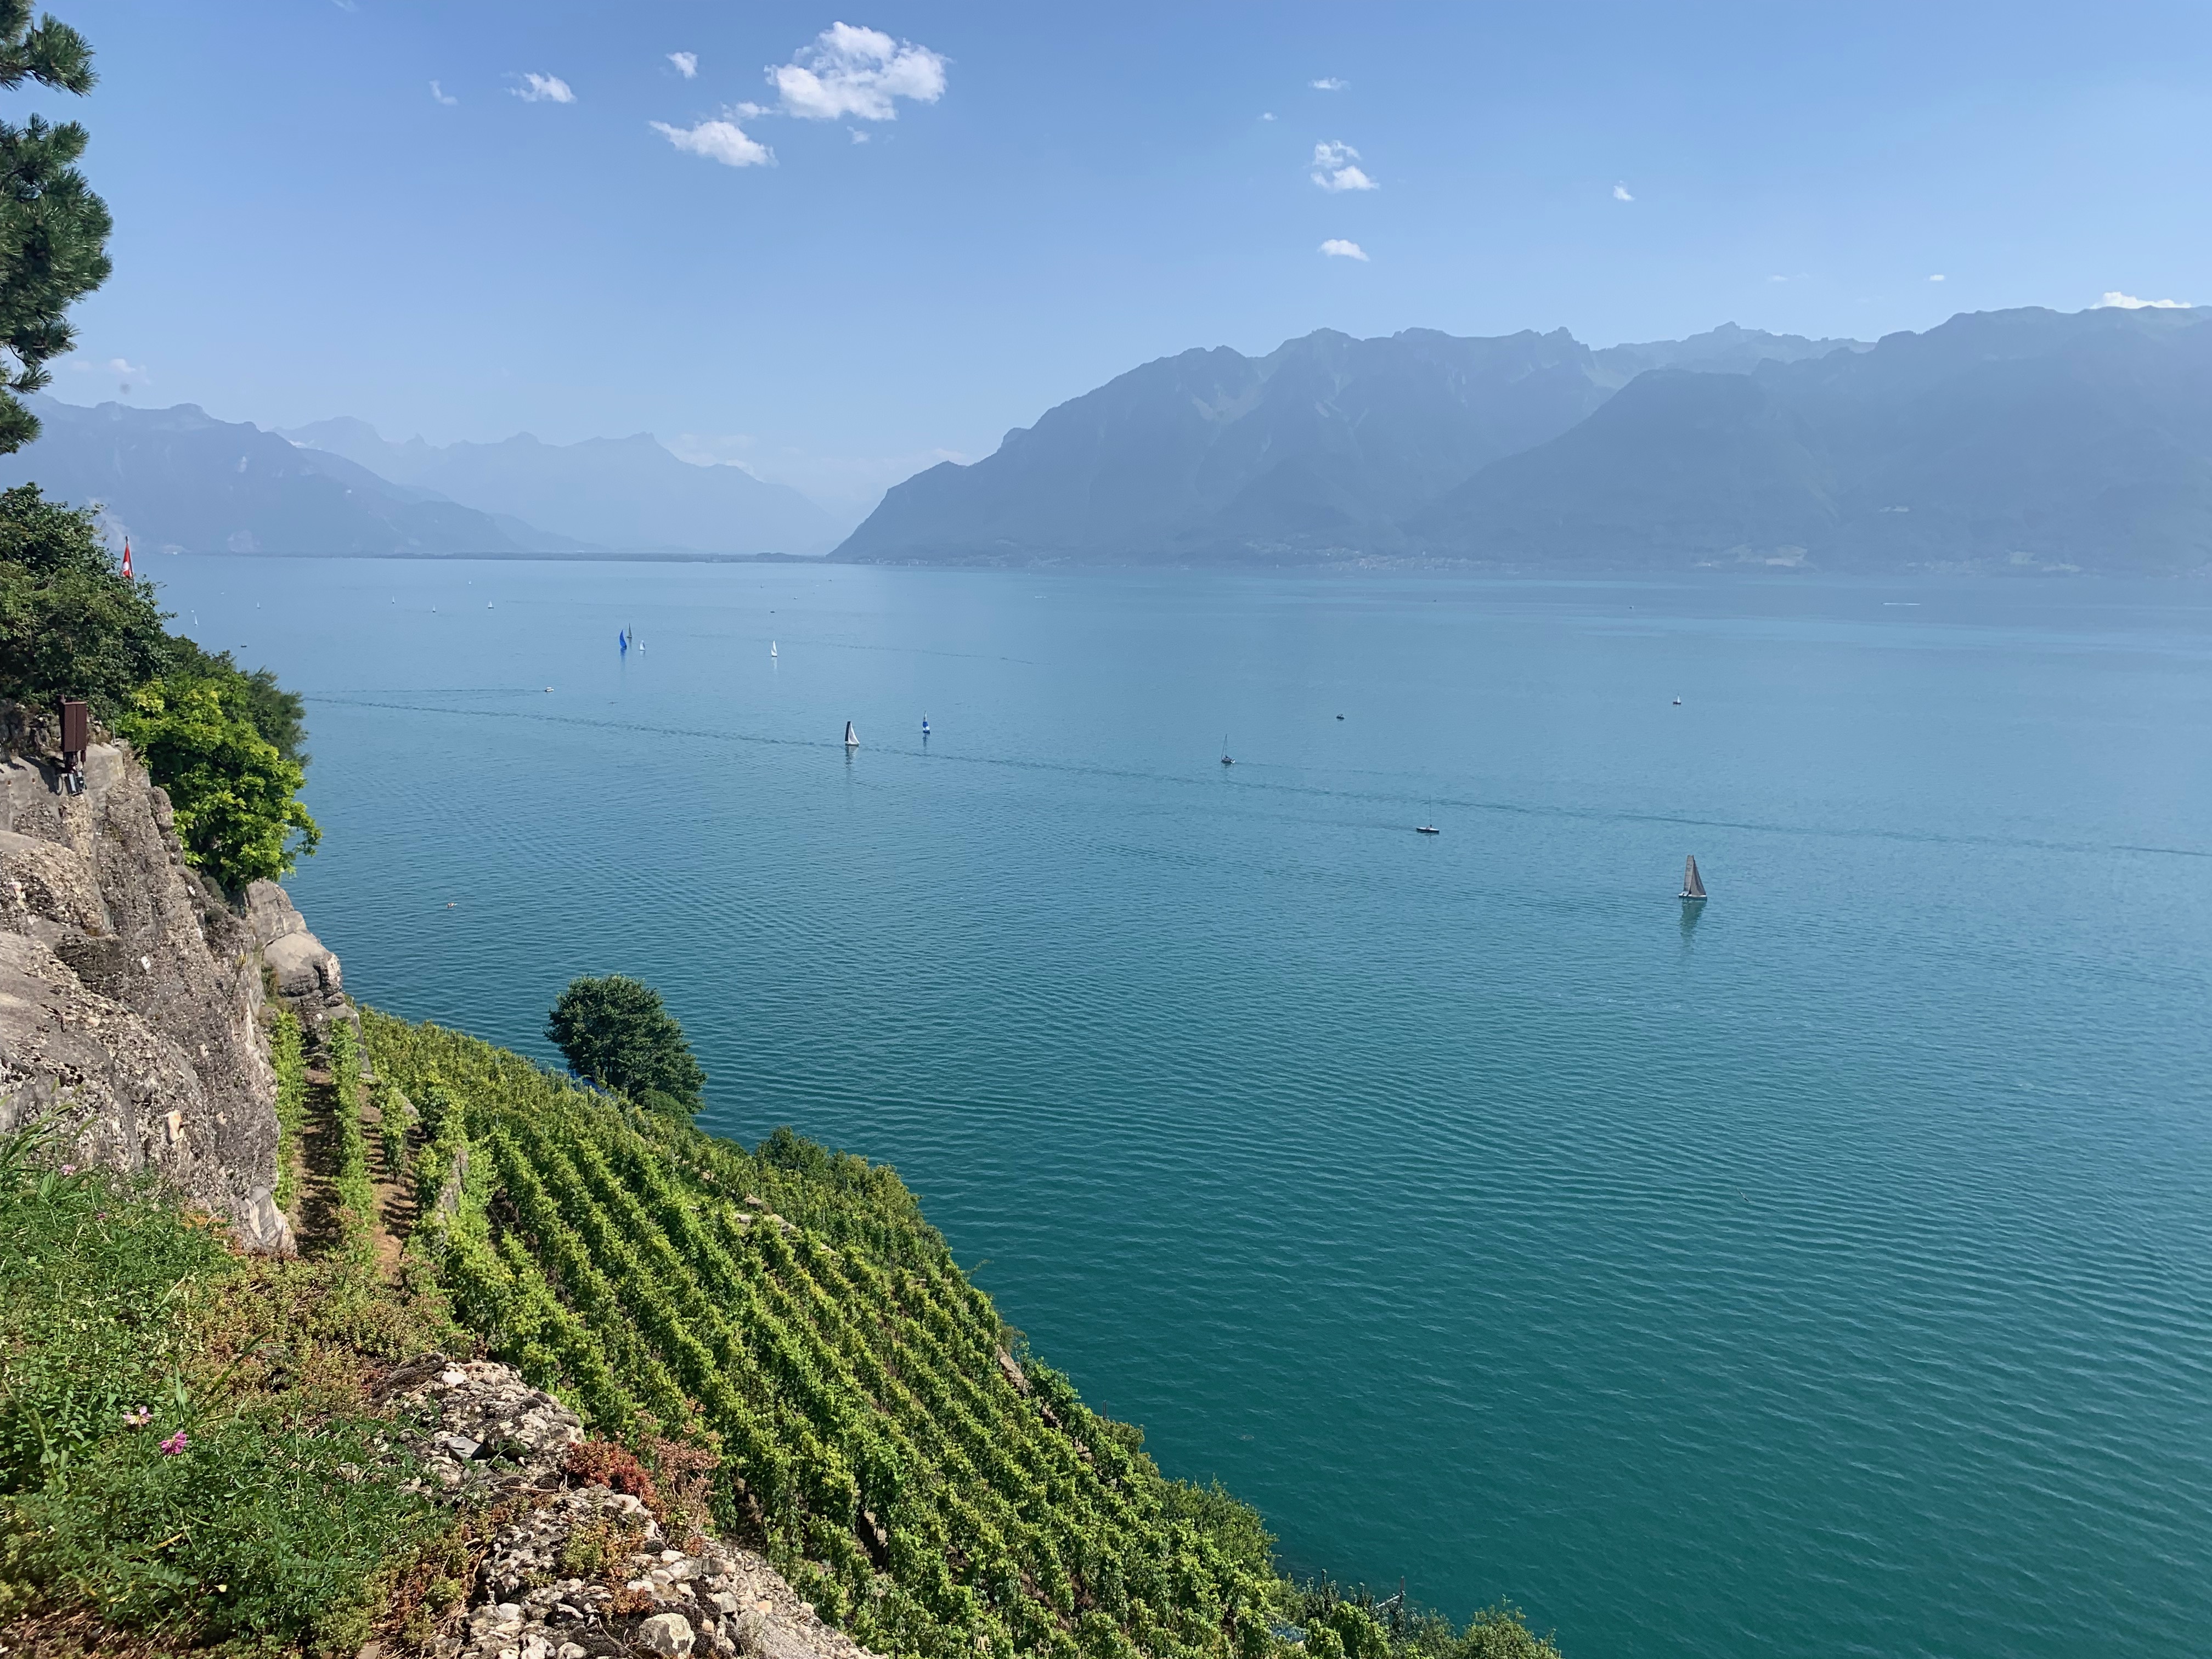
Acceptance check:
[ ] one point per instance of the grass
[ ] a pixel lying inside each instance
(187, 1450)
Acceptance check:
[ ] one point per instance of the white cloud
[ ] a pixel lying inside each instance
(1620, 193)
(113, 366)
(858, 72)
(441, 94)
(1267, 115)
(718, 141)
(1337, 248)
(746, 112)
(2129, 302)
(1939, 278)
(1333, 168)
(1329, 84)
(537, 88)
(687, 63)
(859, 136)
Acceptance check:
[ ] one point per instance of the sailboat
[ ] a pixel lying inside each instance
(852, 737)
(1692, 887)
(1225, 760)
(771, 647)
(924, 725)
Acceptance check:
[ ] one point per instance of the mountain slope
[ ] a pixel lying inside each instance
(178, 479)
(629, 494)
(2013, 439)
(1321, 446)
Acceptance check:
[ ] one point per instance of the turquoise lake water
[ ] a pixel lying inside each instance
(1829, 1273)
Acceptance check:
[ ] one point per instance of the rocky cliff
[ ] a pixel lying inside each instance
(131, 993)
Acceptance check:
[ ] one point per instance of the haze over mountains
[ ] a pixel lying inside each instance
(178, 479)
(2016, 440)
(2026, 439)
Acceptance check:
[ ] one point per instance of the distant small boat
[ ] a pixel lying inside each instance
(924, 725)
(1225, 759)
(1692, 887)
(852, 737)
(771, 647)
(1677, 702)
(1426, 829)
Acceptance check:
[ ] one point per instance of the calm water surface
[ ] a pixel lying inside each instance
(1830, 1272)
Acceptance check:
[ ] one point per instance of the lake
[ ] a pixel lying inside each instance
(1825, 1272)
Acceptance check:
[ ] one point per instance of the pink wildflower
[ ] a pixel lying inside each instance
(175, 1444)
(138, 1417)
(68, 1169)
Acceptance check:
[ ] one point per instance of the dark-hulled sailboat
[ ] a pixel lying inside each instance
(1693, 887)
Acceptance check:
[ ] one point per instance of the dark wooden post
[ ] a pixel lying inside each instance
(76, 737)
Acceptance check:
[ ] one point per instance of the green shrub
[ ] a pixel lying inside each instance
(614, 1032)
(235, 792)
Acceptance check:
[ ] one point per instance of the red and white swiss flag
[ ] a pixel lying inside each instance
(126, 558)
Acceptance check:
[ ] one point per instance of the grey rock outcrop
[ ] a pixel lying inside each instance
(305, 971)
(131, 994)
(488, 1434)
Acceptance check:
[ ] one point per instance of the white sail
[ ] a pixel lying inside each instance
(852, 737)
(1693, 887)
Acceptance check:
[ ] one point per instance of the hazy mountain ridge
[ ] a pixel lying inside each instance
(2011, 439)
(627, 494)
(1324, 443)
(179, 480)
(2026, 438)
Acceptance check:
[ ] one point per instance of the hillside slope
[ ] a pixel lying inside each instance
(629, 495)
(1318, 448)
(910, 1474)
(179, 480)
(2003, 440)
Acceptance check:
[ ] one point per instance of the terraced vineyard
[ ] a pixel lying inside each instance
(923, 1485)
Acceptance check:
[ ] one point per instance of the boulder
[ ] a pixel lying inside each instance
(666, 1633)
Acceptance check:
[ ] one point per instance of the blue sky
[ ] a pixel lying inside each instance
(974, 212)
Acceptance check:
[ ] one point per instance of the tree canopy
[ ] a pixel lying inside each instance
(615, 1031)
(53, 230)
(227, 744)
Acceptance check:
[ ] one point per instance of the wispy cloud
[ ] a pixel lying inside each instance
(1267, 115)
(687, 63)
(2120, 301)
(718, 141)
(1939, 278)
(1329, 84)
(122, 366)
(857, 72)
(1332, 168)
(441, 94)
(1337, 248)
(859, 136)
(537, 88)
(1620, 193)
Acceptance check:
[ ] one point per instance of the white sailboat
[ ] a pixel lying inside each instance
(771, 647)
(1693, 887)
(1225, 760)
(852, 737)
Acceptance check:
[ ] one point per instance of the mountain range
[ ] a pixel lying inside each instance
(178, 479)
(2026, 439)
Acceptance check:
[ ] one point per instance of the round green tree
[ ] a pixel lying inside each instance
(615, 1031)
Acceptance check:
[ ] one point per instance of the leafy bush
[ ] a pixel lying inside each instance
(235, 792)
(615, 1032)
